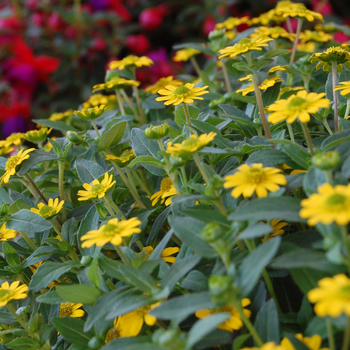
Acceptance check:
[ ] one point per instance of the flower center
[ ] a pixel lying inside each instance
(112, 334)
(336, 200)
(182, 91)
(5, 295)
(297, 102)
(47, 211)
(345, 292)
(255, 176)
(12, 162)
(66, 309)
(225, 308)
(97, 189)
(165, 185)
(110, 230)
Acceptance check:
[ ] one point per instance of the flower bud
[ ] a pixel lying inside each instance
(211, 232)
(157, 132)
(91, 113)
(220, 285)
(326, 161)
(95, 343)
(216, 34)
(217, 182)
(177, 161)
(86, 260)
(73, 137)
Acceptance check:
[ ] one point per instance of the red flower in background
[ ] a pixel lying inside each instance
(138, 43)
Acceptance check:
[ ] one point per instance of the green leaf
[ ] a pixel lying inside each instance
(36, 157)
(335, 140)
(237, 115)
(256, 230)
(297, 344)
(89, 223)
(267, 322)
(132, 343)
(138, 278)
(28, 222)
(195, 281)
(79, 293)
(307, 278)
(110, 267)
(270, 157)
(239, 341)
(180, 115)
(345, 169)
(312, 179)
(24, 343)
(112, 136)
(11, 255)
(146, 160)
(55, 124)
(252, 265)
(271, 94)
(50, 297)
(298, 154)
(269, 208)
(72, 330)
(93, 274)
(50, 271)
(88, 170)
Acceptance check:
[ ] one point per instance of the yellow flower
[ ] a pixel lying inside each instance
(99, 99)
(243, 46)
(113, 232)
(277, 226)
(91, 113)
(313, 343)
(339, 54)
(232, 22)
(234, 322)
(332, 297)
(13, 139)
(306, 47)
(12, 163)
(115, 83)
(273, 32)
(12, 292)
(330, 204)
(344, 88)
(5, 150)
(122, 328)
(191, 145)
(185, 54)
(297, 106)
(162, 83)
(7, 233)
(71, 310)
(263, 86)
(97, 189)
(61, 116)
(248, 180)
(166, 191)
(267, 346)
(124, 159)
(299, 10)
(50, 210)
(318, 36)
(132, 61)
(246, 90)
(166, 253)
(37, 135)
(185, 93)
(277, 69)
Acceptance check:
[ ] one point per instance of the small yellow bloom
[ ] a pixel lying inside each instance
(344, 88)
(131, 61)
(313, 343)
(272, 32)
(99, 99)
(115, 83)
(162, 83)
(234, 322)
(267, 346)
(50, 210)
(124, 159)
(166, 191)
(277, 69)
(330, 204)
(166, 253)
(306, 47)
(297, 106)
(12, 292)
(277, 226)
(5, 150)
(12, 163)
(318, 36)
(37, 135)
(233, 22)
(7, 233)
(243, 46)
(263, 86)
(181, 94)
(255, 178)
(113, 232)
(13, 139)
(185, 54)
(299, 10)
(339, 54)
(332, 297)
(91, 113)
(122, 328)
(61, 116)
(71, 310)
(97, 189)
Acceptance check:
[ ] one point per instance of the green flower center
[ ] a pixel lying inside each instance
(345, 292)
(225, 308)
(110, 230)
(255, 176)
(97, 189)
(5, 295)
(12, 162)
(66, 310)
(182, 91)
(47, 212)
(297, 102)
(336, 200)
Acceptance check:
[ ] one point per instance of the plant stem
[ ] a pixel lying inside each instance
(329, 178)
(127, 100)
(344, 233)
(96, 129)
(187, 113)
(122, 256)
(120, 102)
(226, 77)
(109, 208)
(60, 186)
(130, 178)
(200, 167)
(12, 309)
(270, 288)
(195, 66)
(28, 240)
(138, 101)
(325, 123)
(330, 334)
(290, 130)
(335, 97)
(141, 183)
(114, 206)
(184, 177)
(36, 188)
(347, 108)
(296, 39)
(346, 339)
(307, 137)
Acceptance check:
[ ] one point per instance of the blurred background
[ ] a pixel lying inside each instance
(53, 51)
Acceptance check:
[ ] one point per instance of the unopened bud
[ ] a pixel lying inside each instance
(326, 161)
(73, 137)
(157, 132)
(211, 232)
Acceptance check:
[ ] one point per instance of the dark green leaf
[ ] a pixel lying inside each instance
(180, 115)
(36, 157)
(89, 223)
(146, 160)
(335, 140)
(11, 255)
(267, 322)
(79, 293)
(298, 154)
(55, 124)
(24, 343)
(196, 281)
(88, 170)
(256, 230)
(28, 222)
(270, 157)
(112, 136)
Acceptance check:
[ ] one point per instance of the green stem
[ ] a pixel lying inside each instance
(108, 207)
(122, 256)
(195, 65)
(96, 129)
(110, 284)
(290, 130)
(60, 186)
(36, 188)
(28, 240)
(296, 40)
(329, 178)
(138, 101)
(307, 137)
(347, 108)
(120, 102)
(187, 113)
(130, 178)
(114, 206)
(184, 177)
(200, 167)
(326, 125)
(330, 334)
(346, 339)
(335, 96)
(12, 309)
(270, 288)
(141, 183)
(344, 233)
(128, 102)
(226, 77)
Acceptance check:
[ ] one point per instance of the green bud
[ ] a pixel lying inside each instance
(86, 260)
(211, 232)
(23, 310)
(220, 285)
(228, 96)
(101, 210)
(95, 343)
(326, 161)
(157, 132)
(73, 137)
(216, 34)
(177, 161)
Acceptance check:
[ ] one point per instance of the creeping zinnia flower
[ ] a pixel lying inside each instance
(312, 343)
(50, 210)
(97, 189)
(273, 32)
(71, 310)
(12, 163)
(176, 95)
(255, 178)
(330, 204)
(339, 55)
(121, 328)
(12, 292)
(318, 36)
(162, 83)
(297, 106)
(91, 113)
(185, 54)
(232, 22)
(131, 61)
(7, 233)
(13, 139)
(166, 191)
(166, 253)
(113, 232)
(344, 88)
(115, 83)
(124, 159)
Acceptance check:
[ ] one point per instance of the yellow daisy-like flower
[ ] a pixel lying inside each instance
(91, 113)
(182, 94)
(166, 191)
(234, 322)
(124, 159)
(255, 178)
(277, 69)
(267, 346)
(99, 99)
(7, 233)
(121, 329)
(166, 253)
(245, 91)
(131, 61)
(162, 83)
(299, 10)
(13, 162)
(97, 189)
(71, 310)
(313, 343)
(191, 145)
(306, 47)
(332, 297)
(277, 226)
(243, 46)
(12, 292)
(297, 106)
(272, 32)
(61, 116)
(185, 54)
(5, 150)
(232, 22)
(13, 139)
(319, 36)
(330, 204)
(37, 135)
(115, 83)
(50, 210)
(113, 232)
(263, 86)
(344, 88)
(339, 54)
